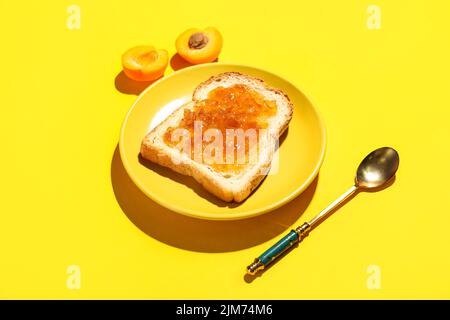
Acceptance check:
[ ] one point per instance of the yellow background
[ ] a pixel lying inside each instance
(64, 192)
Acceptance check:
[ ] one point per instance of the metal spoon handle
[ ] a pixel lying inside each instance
(332, 206)
(294, 236)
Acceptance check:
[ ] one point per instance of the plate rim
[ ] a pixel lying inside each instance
(221, 216)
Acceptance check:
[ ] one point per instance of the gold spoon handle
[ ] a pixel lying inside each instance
(332, 206)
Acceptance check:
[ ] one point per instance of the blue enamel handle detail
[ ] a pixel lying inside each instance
(278, 248)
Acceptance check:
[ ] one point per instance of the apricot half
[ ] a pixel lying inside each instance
(145, 63)
(199, 46)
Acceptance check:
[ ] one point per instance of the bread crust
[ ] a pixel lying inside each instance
(235, 189)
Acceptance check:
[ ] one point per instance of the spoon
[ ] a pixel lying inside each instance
(374, 171)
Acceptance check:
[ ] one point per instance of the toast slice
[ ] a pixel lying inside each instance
(228, 186)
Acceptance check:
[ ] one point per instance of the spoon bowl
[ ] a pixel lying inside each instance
(377, 168)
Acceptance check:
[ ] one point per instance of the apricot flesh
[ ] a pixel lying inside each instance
(199, 46)
(145, 63)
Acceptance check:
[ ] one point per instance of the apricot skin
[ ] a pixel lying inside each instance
(145, 63)
(207, 52)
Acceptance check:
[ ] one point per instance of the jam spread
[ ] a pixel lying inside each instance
(235, 107)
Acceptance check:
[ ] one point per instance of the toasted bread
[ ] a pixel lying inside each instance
(226, 186)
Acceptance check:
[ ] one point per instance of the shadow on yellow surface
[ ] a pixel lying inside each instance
(201, 235)
(177, 62)
(129, 86)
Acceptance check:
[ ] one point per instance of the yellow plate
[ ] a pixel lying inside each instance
(300, 156)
